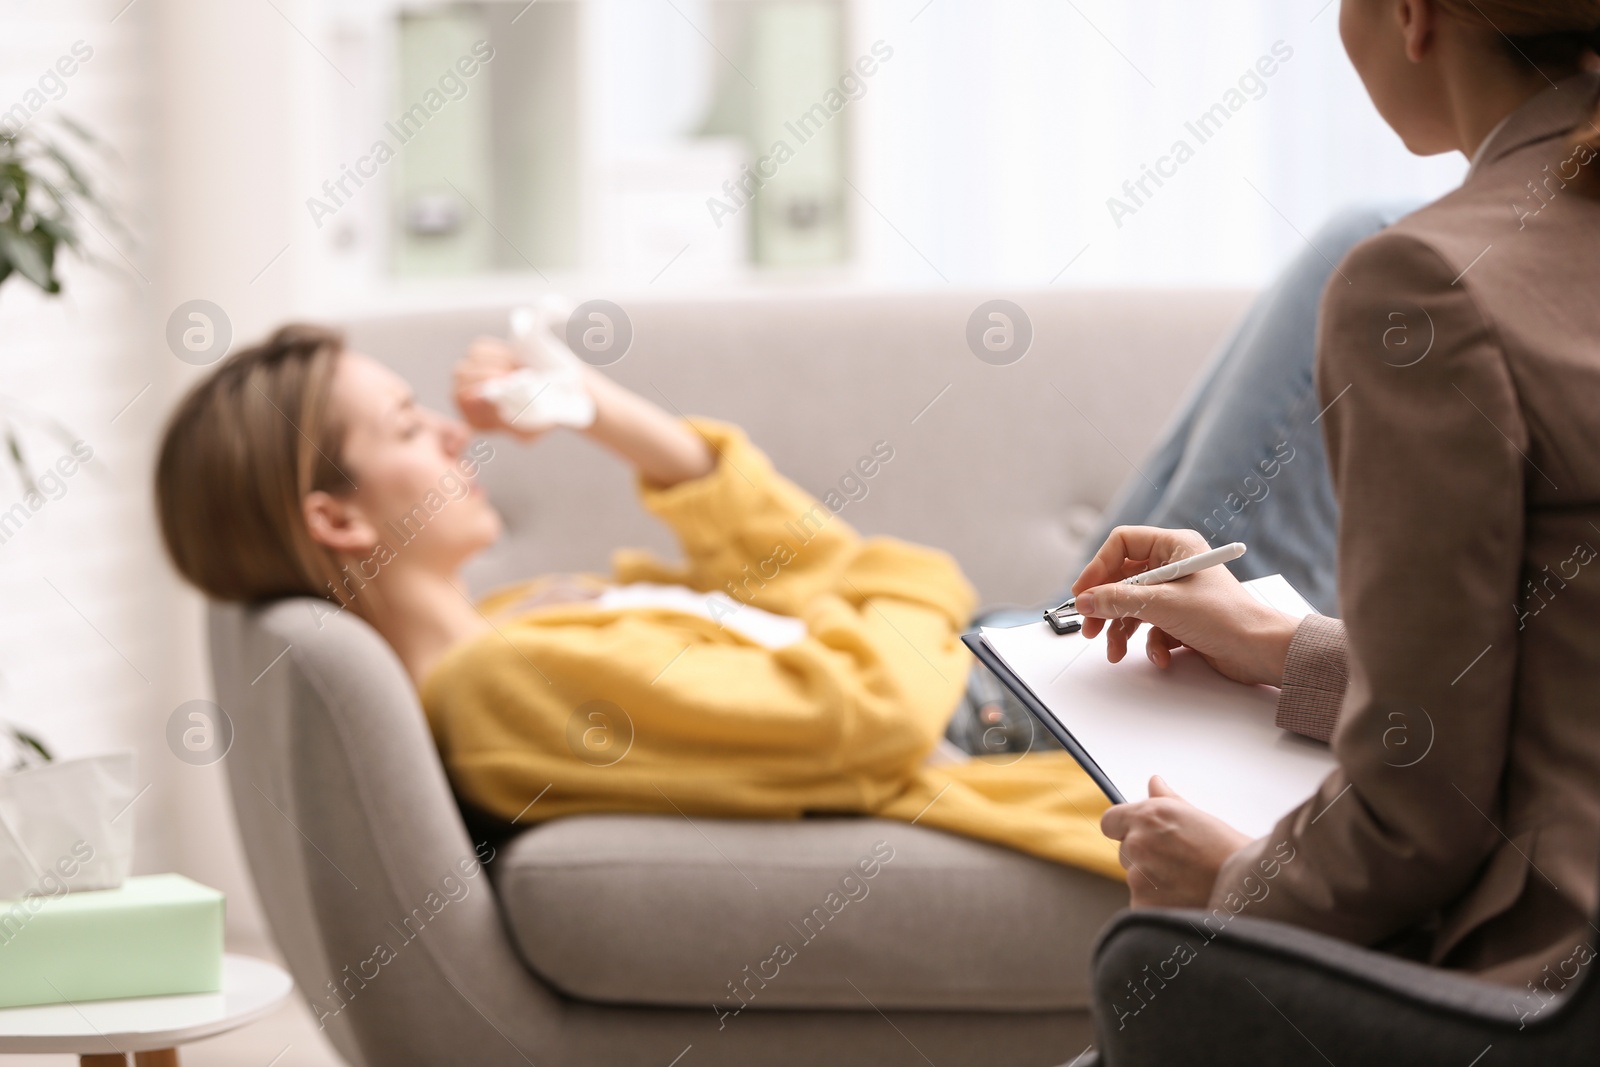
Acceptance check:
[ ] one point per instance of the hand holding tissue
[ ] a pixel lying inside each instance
(548, 391)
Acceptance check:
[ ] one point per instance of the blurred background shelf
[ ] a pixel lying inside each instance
(595, 138)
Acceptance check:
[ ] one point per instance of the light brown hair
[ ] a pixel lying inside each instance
(238, 457)
(1540, 30)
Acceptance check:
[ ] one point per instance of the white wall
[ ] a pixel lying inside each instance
(988, 147)
(222, 75)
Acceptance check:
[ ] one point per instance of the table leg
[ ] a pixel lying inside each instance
(105, 1059)
(161, 1057)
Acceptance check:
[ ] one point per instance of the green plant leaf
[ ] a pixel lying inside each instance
(58, 231)
(45, 244)
(46, 200)
(74, 177)
(78, 130)
(27, 259)
(18, 461)
(33, 743)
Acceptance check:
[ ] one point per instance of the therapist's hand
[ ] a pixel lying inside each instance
(1171, 849)
(1210, 612)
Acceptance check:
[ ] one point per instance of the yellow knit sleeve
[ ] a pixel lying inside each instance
(745, 530)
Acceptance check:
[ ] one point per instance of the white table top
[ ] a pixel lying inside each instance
(251, 988)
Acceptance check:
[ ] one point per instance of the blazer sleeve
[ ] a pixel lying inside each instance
(1315, 676)
(1427, 456)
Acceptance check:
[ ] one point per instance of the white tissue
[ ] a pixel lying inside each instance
(548, 391)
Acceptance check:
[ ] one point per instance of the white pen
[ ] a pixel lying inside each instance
(1185, 567)
(1065, 619)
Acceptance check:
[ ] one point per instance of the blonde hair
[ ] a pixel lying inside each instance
(1562, 30)
(238, 457)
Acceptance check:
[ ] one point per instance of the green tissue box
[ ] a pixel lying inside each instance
(156, 934)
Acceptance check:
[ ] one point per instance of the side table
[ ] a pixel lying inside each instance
(104, 1032)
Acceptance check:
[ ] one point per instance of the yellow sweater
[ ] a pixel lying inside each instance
(569, 708)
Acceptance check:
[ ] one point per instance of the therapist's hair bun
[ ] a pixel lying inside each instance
(1558, 31)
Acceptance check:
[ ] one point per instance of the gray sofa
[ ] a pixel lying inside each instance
(653, 940)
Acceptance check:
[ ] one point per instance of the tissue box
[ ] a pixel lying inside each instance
(156, 934)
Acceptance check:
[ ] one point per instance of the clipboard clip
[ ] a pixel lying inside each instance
(1065, 619)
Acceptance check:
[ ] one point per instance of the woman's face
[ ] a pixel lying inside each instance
(415, 490)
(1388, 42)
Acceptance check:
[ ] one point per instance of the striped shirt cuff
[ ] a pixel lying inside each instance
(1315, 674)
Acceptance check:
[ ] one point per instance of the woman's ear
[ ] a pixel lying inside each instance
(338, 524)
(1419, 22)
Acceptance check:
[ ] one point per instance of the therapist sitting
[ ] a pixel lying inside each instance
(1459, 367)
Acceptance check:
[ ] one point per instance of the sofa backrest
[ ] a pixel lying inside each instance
(1004, 466)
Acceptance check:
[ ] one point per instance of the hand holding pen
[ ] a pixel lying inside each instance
(1172, 581)
(1068, 619)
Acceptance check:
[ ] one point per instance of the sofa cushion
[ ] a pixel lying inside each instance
(851, 913)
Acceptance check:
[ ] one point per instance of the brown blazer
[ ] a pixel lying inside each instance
(1459, 364)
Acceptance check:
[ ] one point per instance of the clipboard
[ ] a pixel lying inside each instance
(1214, 740)
(1019, 689)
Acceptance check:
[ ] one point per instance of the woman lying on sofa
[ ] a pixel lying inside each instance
(788, 666)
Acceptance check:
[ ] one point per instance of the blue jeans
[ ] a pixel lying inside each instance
(1243, 460)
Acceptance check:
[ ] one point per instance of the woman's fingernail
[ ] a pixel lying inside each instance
(1084, 603)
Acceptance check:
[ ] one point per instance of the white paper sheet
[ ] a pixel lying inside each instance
(763, 627)
(1212, 739)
